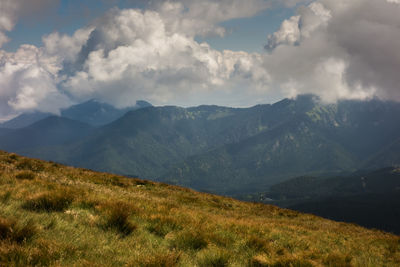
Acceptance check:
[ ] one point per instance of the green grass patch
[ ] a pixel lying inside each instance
(168, 259)
(52, 201)
(257, 243)
(117, 218)
(31, 165)
(25, 175)
(189, 240)
(214, 258)
(162, 225)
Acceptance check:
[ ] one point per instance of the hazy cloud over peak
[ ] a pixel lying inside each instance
(28, 81)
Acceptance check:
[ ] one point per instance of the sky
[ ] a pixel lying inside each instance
(54, 53)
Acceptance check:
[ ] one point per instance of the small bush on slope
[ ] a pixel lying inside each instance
(117, 218)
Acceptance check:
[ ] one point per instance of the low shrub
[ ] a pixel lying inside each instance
(50, 202)
(25, 175)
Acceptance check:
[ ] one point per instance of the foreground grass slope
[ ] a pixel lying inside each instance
(62, 216)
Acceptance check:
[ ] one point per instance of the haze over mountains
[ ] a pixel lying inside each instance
(220, 149)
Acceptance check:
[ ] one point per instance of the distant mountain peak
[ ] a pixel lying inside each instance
(98, 113)
(25, 119)
(143, 104)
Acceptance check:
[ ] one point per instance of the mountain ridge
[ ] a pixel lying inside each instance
(93, 112)
(227, 150)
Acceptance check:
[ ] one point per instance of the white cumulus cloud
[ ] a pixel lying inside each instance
(28, 82)
(338, 49)
(134, 54)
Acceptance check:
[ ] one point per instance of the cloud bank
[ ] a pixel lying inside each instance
(339, 49)
(335, 49)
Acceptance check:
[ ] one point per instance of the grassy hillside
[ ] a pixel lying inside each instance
(56, 215)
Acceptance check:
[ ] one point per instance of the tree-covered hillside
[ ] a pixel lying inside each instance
(233, 150)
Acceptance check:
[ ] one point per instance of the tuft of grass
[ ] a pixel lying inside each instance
(337, 260)
(189, 240)
(25, 175)
(264, 261)
(117, 218)
(258, 261)
(88, 204)
(169, 259)
(5, 198)
(53, 201)
(45, 253)
(13, 231)
(394, 246)
(31, 165)
(162, 225)
(11, 158)
(257, 243)
(214, 258)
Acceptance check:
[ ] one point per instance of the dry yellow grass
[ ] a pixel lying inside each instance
(84, 218)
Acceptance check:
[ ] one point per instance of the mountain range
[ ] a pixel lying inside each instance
(92, 112)
(368, 198)
(220, 149)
